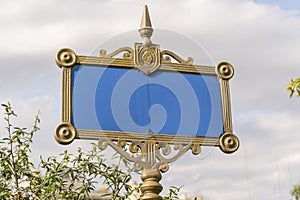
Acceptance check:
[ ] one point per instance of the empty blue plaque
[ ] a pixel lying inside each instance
(170, 102)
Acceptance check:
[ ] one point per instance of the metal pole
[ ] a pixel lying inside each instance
(151, 186)
(151, 177)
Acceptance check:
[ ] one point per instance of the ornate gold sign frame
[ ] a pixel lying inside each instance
(66, 132)
(154, 150)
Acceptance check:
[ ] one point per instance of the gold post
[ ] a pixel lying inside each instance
(150, 177)
(151, 186)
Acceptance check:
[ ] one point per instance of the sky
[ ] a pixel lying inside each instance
(261, 39)
(283, 4)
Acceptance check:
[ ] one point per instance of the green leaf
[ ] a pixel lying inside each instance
(294, 87)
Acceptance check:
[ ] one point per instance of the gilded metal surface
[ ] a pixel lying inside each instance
(151, 186)
(229, 143)
(160, 138)
(128, 53)
(196, 149)
(147, 58)
(65, 58)
(67, 95)
(168, 54)
(146, 28)
(226, 108)
(106, 61)
(225, 70)
(128, 63)
(147, 55)
(148, 154)
(146, 22)
(65, 133)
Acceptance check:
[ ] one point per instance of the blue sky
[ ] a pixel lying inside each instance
(284, 4)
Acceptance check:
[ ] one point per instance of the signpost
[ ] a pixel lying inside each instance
(151, 100)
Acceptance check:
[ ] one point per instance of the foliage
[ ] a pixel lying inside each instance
(173, 193)
(15, 167)
(74, 176)
(294, 86)
(67, 177)
(296, 192)
(70, 177)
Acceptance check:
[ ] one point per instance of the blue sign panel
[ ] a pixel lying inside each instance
(127, 100)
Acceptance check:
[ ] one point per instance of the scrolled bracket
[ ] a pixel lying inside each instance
(65, 58)
(135, 155)
(229, 143)
(164, 167)
(167, 55)
(166, 149)
(102, 144)
(225, 70)
(165, 155)
(196, 149)
(134, 147)
(148, 155)
(127, 53)
(137, 167)
(65, 133)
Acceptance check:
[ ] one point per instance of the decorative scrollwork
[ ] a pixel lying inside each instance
(137, 167)
(65, 133)
(177, 146)
(147, 57)
(65, 58)
(102, 144)
(229, 143)
(128, 53)
(164, 167)
(134, 147)
(225, 70)
(167, 55)
(138, 153)
(121, 143)
(166, 150)
(196, 149)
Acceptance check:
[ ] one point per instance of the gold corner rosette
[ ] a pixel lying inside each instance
(65, 133)
(225, 70)
(229, 143)
(65, 58)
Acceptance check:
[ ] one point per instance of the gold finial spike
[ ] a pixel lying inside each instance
(146, 28)
(146, 22)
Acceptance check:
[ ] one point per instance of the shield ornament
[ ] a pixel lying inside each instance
(147, 59)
